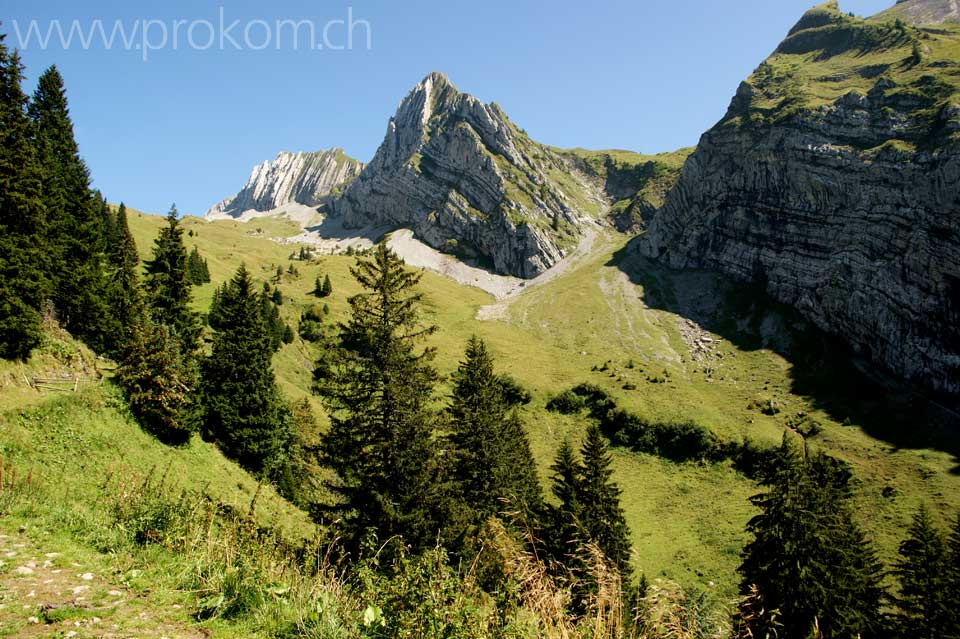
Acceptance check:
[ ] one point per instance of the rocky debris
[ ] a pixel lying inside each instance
(848, 212)
(468, 182)
(307, 179)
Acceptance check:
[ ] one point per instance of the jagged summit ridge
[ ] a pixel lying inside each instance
(308, 179)
(467, 180)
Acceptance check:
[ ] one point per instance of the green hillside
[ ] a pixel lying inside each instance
(618, 321)
(830, 54)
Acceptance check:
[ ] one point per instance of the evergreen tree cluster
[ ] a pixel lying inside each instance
(198, 271)
(63, 251)
(811, 571)
(242, 408)
(322, 288)
(403, 471)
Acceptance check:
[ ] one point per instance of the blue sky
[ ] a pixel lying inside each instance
(187, 125)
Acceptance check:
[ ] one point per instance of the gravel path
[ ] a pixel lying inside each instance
(42, 594)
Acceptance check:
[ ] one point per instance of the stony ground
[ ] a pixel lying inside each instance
(46, 593)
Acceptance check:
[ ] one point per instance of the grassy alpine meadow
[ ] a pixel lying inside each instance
(614, 320)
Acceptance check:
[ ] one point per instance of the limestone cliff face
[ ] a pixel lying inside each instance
(846, 207)
(467, 180)
(300, 178)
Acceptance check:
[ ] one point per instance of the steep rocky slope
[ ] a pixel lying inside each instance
(468, 181)
(923, 12)
(291, 178)
(834, 178)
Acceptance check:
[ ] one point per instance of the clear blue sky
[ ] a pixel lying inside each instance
(187, 125)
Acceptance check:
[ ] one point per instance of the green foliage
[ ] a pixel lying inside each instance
(322, 288)
(126, 298)
(273, 324)
(494, 469)
(168, 285)
(22, 219)
(923, 602)
(810, 564)
(588, 516)
(157, 380)
(77, 231)
(198, 272)
(243, 410)
(513, 391)
(566, 403)
(389, 477)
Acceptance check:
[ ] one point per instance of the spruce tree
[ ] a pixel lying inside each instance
(198, 273)
(167, 285)
(243, 411)
(23, 251)
(601, 515)
(158, 381)
(377, 383)
(495, 469)
(125, 296)
(922, 570)
(77, 235)
(809, 561)
(326, 290)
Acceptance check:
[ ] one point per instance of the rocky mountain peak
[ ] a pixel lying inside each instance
(467, 180)
(307, 179)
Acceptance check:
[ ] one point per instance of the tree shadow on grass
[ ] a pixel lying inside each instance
(824, 369)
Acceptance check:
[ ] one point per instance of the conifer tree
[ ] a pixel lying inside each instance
(197, 270)
(77, 235)
(125, 295)
(810, 563)
(922, 570)
(243, 410)
(317, 287)
(22, 219)
(495, 469)
(377, 385)
(167, 285)
(326, 290)
(158, 381)
(601, 515)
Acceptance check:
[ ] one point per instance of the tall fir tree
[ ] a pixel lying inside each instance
(377, 384)
(23, 250)
(167, 286)
(922, 570)
(77, 233)
(127, 300)
(601, 514)
(495, 468)
(810, 563)
(243, 410)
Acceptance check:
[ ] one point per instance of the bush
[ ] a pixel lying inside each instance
(566, 403)
(513, 392)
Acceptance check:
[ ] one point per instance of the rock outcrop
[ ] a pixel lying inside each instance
(467, 181)
(308, 179)
(846, 207)
(924, 12)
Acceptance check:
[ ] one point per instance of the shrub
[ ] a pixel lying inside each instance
(566, 403)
